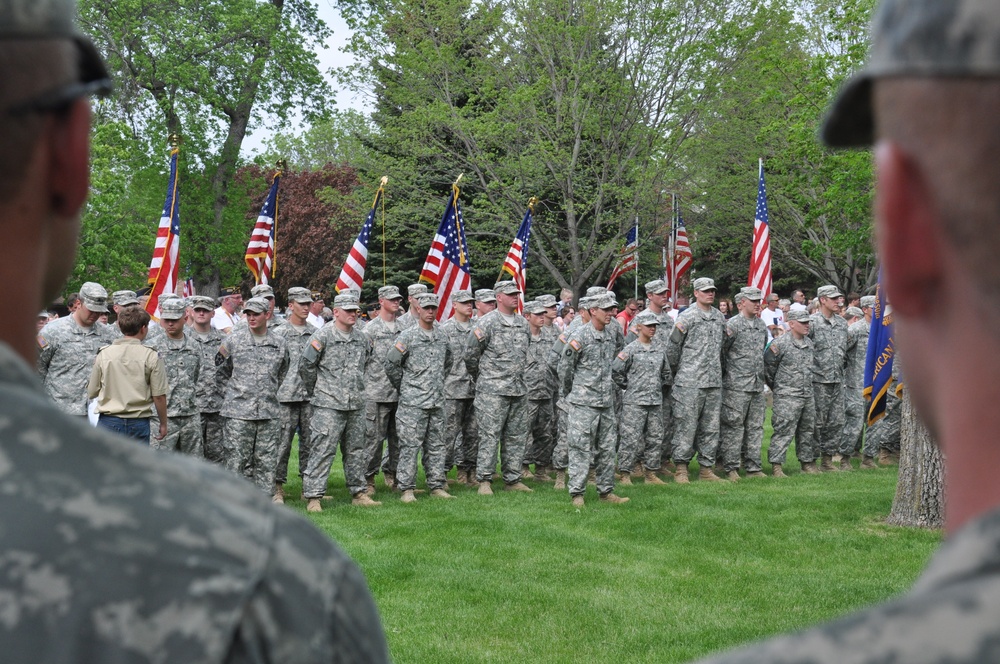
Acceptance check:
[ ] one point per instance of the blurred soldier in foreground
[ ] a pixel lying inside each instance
(927, 101)
(169, 559)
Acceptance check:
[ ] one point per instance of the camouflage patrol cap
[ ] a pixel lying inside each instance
(485, 295)
(534, 307)
(389, 293)
(925, 38)
(647, 317)
(751, 293)
(854, 312)
(829, 291)
(462, 296)
(868, 301)
(346, 301)
(300, 295)
(739, 297)
(506, 287)
(547, 300)
(416, 289)
(123, 298)
(262, 290)
(594, 291)
(201, 302)
(257, 305)
(427, 300)
(172, 308)
(704, 284)
(799, 315)
(605, 301)
(585, 302)
(94, 297)
(656, 286)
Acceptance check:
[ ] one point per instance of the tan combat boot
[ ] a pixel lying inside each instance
(542, 474)
(681, 475)
(370, 487)
(577, 501)
(809, 468)
(441, 493)
(390, 481)
(733, 476)
(408, 497)
(845, 464)
(560, 480)
(826, 464)
(756, 473)
(613, 499)
(592, 477)
(776, 470)
(314, 505)
(637, 471)
(884, 458)
(362, 499)
(867, 463)
(526, 473)
(518, 486)
(485, 489)
(624, 478)
(706, 475)
(278, 496)
(462, 477)
(651, 478)
(670, 467)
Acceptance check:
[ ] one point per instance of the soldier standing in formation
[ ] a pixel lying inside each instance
(540, 383)
(119, 300)
(854, 384)
(208, 392)
(251, 363)
(296, 413)
(408, 318)
(417, 365)
(486, 301)
(333, 367)
(381, 398)
(741, 431)
(788, 364)
(461, 434)
(560, 453)
(828, 332)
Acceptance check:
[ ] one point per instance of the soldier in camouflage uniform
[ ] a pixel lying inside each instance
(461, 434)
(540, 382)
(333, 369)
(585, 379)
(408, 318)
(417, 365)
(642, 371)
(486, 301)
(208, 392)
(251, 363)
(381, 398)
(495, 355)
(67, 348)
(182, 359)
(296, 413)
(883, 436)
(551, 333)
(121, 299)
(695, 354)
(266, 292)
(854, 384)
(829, 334)
(560, 453)
(741, 430)
(788, 371)
(129, 556)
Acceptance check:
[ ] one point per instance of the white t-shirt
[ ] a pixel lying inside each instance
(315, 319)
(223, 320)
(776, 317)
(798, 306)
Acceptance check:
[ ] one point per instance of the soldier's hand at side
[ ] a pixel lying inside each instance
(163, 431)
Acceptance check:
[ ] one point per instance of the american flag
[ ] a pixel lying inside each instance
(188, 288)
(681, 259)
(446, 267)
(163, 268)
(629, 255)
(760, 254)
(352, 275)
(261, 249)
(516, 262)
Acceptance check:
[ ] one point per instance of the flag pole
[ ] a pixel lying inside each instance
(672, 256)
(382, 183)
(458, 227)
(280, 167)
(636, 294)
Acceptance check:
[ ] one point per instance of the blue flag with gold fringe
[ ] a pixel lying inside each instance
(881, 352)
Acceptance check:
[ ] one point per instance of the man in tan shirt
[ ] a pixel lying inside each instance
(128, 379)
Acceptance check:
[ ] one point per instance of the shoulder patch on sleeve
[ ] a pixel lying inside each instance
(479, 333)
(317, 344)
(623, 356)
(729, 331)
(575, 345)
(774, 348)
(401, 347)
(562, 337)
(223, 351)
(42, 343)
(682, 326)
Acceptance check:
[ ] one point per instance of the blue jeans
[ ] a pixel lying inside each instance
(130, 427)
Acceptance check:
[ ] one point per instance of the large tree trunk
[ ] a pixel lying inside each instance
(919, 500)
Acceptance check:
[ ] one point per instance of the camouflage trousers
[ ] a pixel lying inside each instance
(591, 428)
(541, 443)
(829, 417)
(792, 417)
(854, 420)
(560, 453)
(885, 433)
(460, 420)
(211, 434)
(667, 448)
(251, 450)
(696, 423)
(741, 430)
(420, 428)
(329, 429)
(380, 425)
(503, 428)
(183, 435)
(640, 436)
(295, 416)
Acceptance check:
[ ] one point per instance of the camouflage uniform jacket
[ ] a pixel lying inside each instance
(496, 353)
(209, 391)
(539, 379)
(743, 354)
(857, 353)
(182, 360)
(694, 348)
(406, 320)
(333, 367)
(643, 372)
(292, 390)
(788, 366)
(614, 326)
(830, 338)
(66, 354)
(250, 373)
(458, 384)
(377, 385)
(585, 368)
(417, 365)
(275, 587)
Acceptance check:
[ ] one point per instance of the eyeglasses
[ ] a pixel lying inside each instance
(60, 98)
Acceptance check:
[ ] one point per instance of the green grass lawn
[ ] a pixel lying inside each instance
(677, 573)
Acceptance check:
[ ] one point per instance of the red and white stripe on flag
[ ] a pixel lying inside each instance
(163, 268)
(512, 266)
(260, 250)
(446, 267)
(352, 275)
(760, 253)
